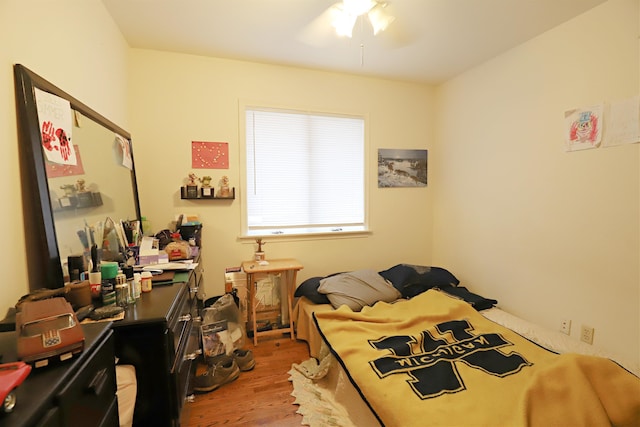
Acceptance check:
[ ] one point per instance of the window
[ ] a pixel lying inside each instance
(305, 173)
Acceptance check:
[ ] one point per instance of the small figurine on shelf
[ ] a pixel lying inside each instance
(224, 187)
(206, 189)
(85, 198)
(192, 186)
(69, 189)
(80, 186)
(69, 199)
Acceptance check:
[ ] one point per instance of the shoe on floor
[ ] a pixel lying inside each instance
(214, 360)
(244, 359)
(222, 372)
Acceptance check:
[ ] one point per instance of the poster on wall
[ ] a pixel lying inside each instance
(54, 118)
(55, 170)
(123, 151)
(209, 155)
(402, 168)
(583, 128)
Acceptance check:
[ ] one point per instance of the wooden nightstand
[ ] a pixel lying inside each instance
(288, 268)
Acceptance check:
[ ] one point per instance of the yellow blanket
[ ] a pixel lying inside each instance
(434, 360)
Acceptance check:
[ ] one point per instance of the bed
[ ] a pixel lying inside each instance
(430, 352)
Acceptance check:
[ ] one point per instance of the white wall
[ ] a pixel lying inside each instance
(75, 45)
(550, 234)
(176, 99)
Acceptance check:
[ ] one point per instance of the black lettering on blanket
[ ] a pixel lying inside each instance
(431, 359)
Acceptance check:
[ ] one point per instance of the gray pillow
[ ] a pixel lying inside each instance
(357, 289)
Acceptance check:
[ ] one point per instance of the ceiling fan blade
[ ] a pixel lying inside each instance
(320, 32)
(379, 18)
(390, 32)
(398, 33)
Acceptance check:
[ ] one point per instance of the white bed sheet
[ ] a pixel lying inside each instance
(331, 399)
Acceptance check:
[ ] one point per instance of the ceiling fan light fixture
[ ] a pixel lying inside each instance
(344, 16)
(358, 7)
(343, 22)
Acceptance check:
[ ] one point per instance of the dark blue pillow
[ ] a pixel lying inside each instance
(412, 280)
(309, 289)
(478, 302)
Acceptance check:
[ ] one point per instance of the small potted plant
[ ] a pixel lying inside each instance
(206, 190)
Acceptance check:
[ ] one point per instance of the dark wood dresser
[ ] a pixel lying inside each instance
(157, 337)
(77, 392)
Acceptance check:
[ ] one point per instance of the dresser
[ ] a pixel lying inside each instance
(78, 392)
(157, 337)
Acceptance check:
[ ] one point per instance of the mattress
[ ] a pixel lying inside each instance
(326, 396)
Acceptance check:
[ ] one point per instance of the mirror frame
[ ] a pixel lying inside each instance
(43, 255)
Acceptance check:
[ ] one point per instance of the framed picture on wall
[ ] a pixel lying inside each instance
(402, 168)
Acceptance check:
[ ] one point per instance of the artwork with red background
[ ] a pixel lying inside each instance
(55, 170)
(209, 155)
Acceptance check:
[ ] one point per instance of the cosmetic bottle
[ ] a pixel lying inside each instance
(137, 285)
(128, 272)
(109, 271)
(146, 282)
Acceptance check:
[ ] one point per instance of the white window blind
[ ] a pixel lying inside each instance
(305, 173)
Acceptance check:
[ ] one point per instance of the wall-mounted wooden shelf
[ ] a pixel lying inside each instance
(199, 194)
(78, 201)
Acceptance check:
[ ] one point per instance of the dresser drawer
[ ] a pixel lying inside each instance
(88, 398)
(185, 368)
(180, 323)
(196, 283)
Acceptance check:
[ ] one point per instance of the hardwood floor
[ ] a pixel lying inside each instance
(260, 397)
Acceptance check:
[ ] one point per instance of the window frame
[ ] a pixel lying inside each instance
(328, 232)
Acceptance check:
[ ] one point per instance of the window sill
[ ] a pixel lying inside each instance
(292, 235)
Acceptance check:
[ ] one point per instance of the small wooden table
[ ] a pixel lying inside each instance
(289, 269)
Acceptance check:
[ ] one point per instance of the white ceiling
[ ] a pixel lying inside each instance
(430, 41)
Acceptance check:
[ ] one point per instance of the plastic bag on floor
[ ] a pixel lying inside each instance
(222, 327)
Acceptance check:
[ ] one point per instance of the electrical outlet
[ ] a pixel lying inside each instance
(586, 334)
(565, 326)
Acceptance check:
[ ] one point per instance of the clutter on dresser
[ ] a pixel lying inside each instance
(48, 331)
(177, 249)
(11, 376)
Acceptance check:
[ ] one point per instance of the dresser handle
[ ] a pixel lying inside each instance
(185, 317)
(97, 383)
(192, 356)
(190, 399)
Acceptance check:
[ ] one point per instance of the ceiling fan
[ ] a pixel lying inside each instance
(345, 14)
(340, 19)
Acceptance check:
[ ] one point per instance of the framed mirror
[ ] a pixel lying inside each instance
(73, 177)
